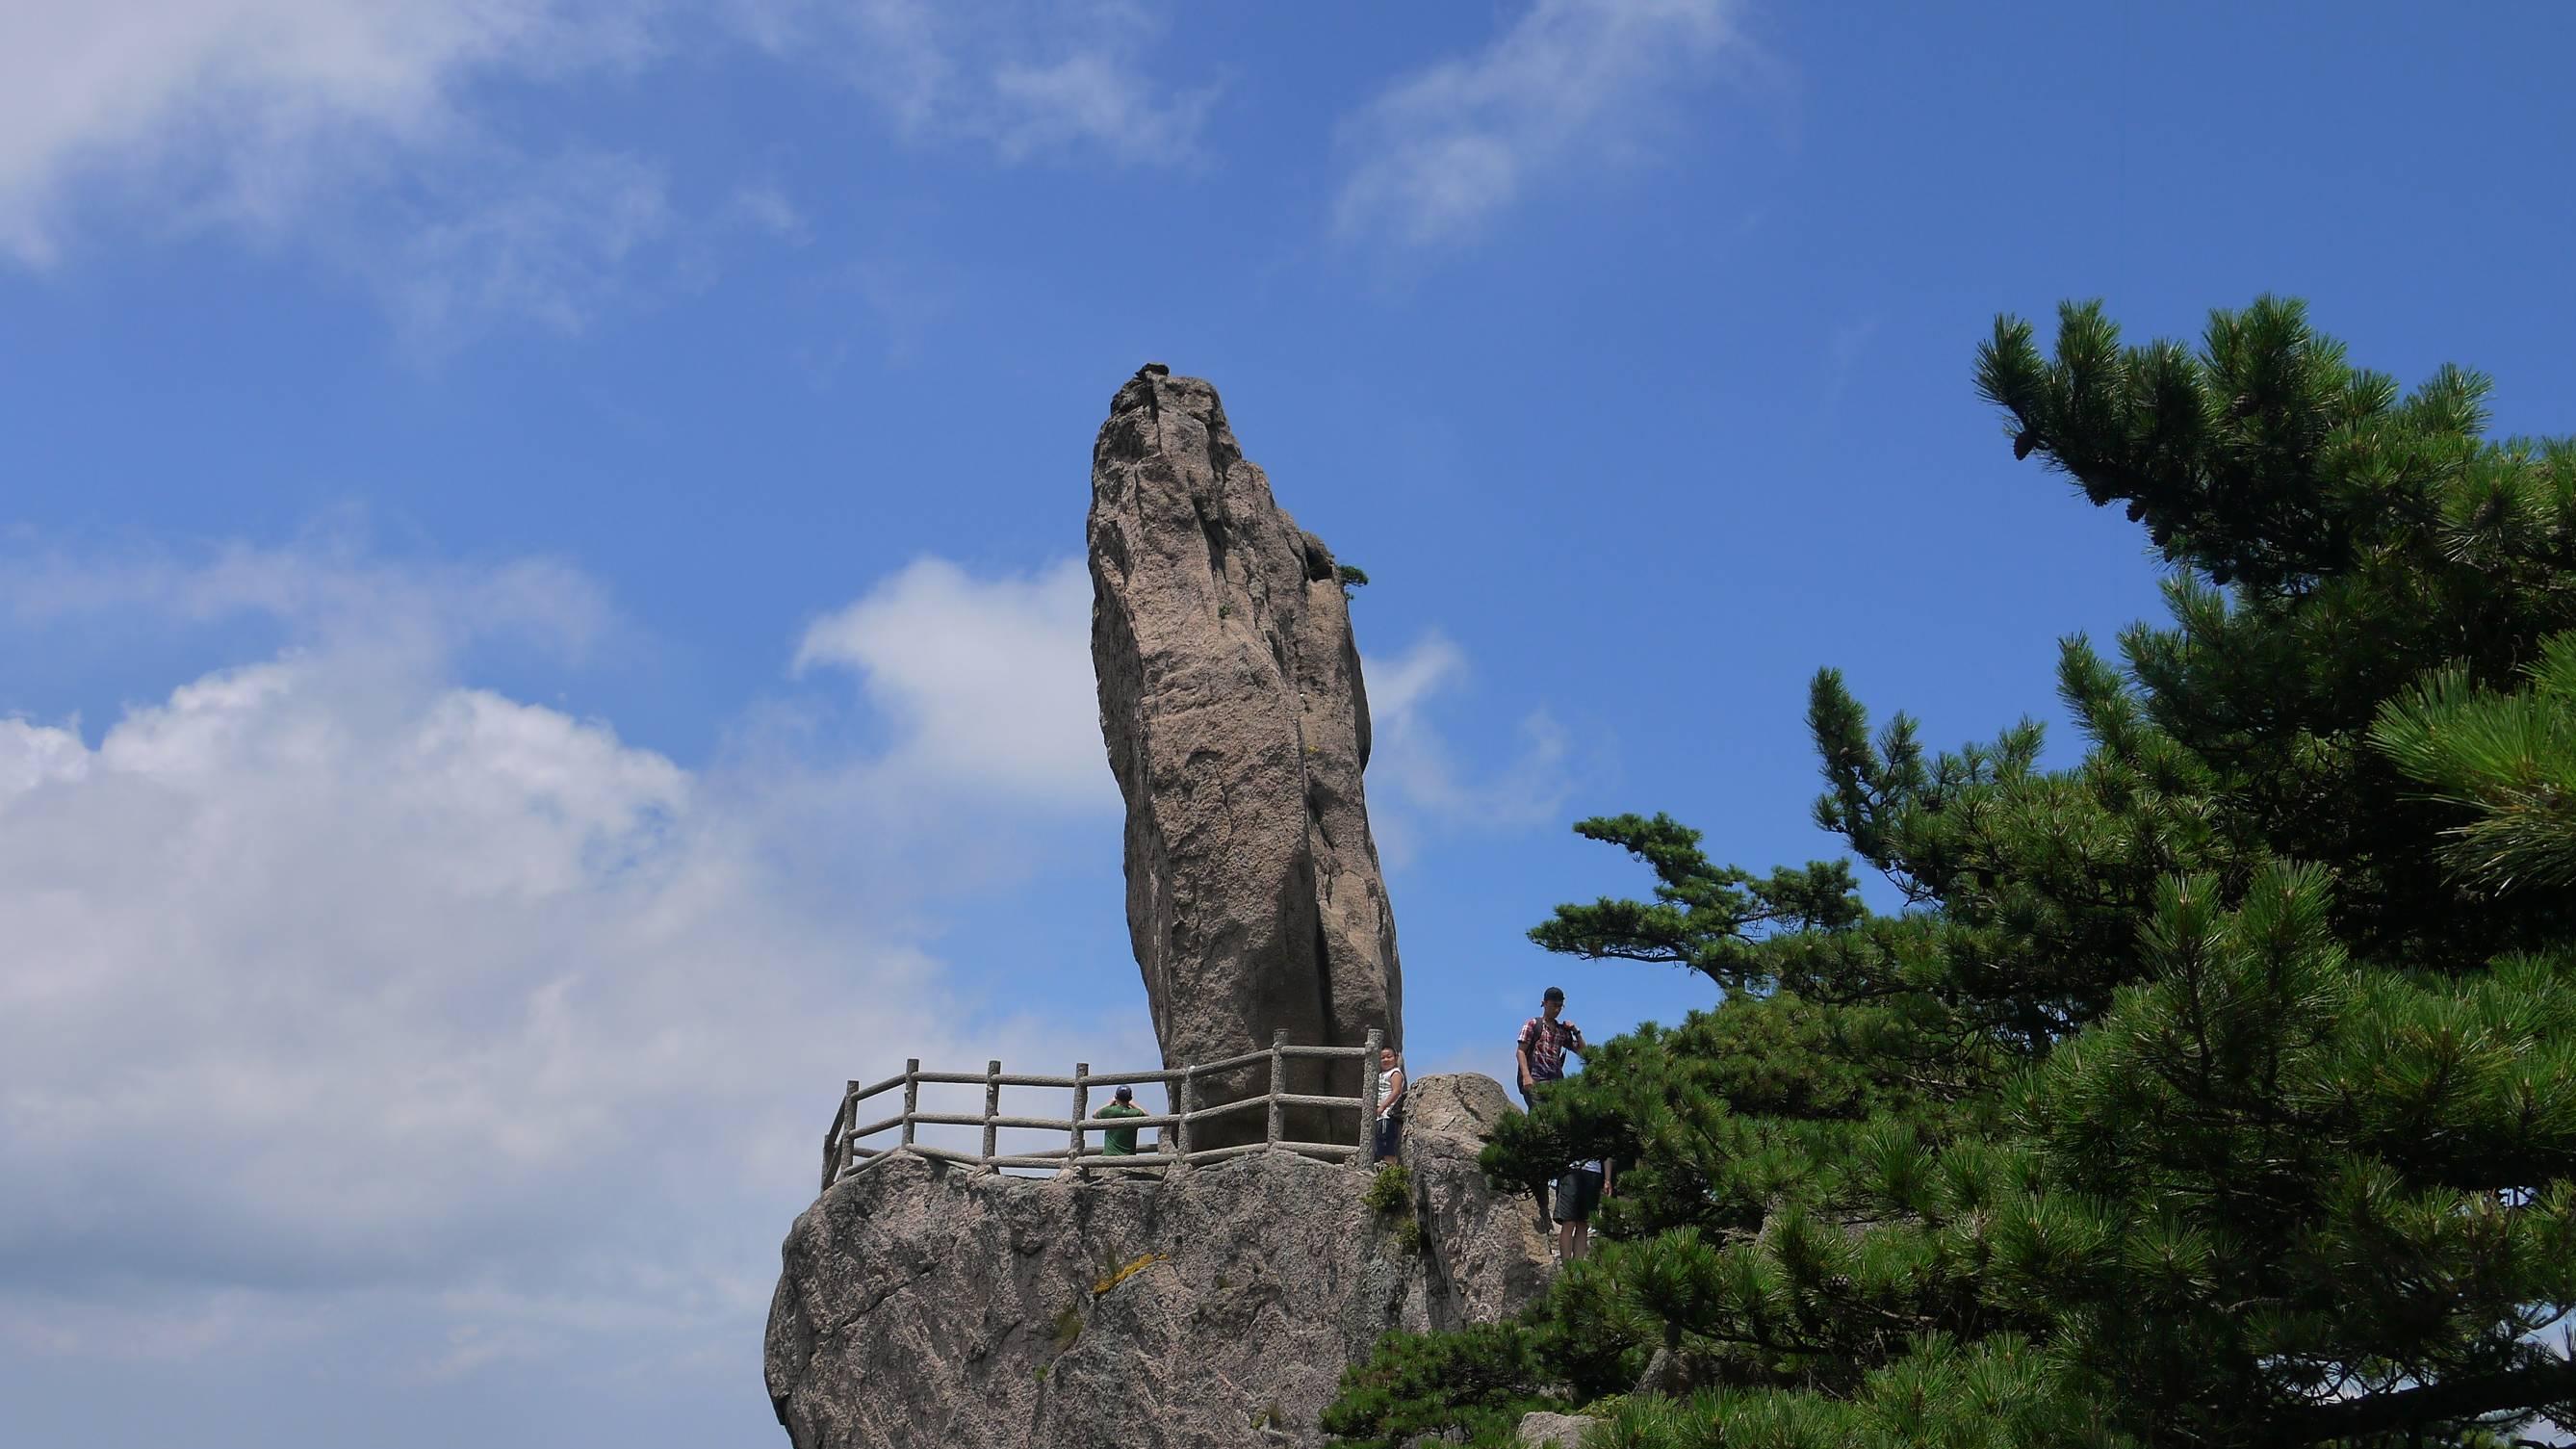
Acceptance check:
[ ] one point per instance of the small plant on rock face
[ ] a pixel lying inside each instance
(1391, 1191)
(1068, 1327)
(1351, 577)
(1112, 1277)
(1390, 1195)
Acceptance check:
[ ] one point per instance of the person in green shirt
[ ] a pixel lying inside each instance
(1120, 1141)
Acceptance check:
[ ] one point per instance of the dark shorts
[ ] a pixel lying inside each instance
(1577, 1194)
(1388, 1129)
(1526, 1103)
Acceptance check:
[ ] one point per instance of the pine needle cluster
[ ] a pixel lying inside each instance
(2216, 1089)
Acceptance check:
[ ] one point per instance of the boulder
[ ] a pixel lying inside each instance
(1237, 725)
(1488, 1263)
(1667, 1374)
(926, 1303)
(1553, 1431)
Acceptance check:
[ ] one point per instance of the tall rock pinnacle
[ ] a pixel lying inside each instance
(1237, 725)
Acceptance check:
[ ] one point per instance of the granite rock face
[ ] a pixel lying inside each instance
(1238, 727)
(926, 1304)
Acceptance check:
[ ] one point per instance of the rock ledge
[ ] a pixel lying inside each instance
(925, 1303)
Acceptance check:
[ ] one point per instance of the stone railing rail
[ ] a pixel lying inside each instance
(845, 1152)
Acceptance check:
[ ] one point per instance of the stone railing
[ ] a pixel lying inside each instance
(845, 1150)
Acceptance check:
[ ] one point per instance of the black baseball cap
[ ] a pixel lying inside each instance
(1553, 993)
(1125, 1093)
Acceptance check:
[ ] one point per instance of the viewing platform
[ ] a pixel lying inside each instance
(847, 1150)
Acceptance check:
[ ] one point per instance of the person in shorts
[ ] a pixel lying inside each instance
(1578, 1195)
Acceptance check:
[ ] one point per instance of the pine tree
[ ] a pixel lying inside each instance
(2219, 1089)
(2510, 759)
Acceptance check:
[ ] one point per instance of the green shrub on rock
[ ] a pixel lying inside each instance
(1391, 1191)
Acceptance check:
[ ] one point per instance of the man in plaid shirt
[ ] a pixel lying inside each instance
(1544, 1041)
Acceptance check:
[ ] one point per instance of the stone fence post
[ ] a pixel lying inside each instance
(1081, 1110)
(1368, 1095)
(1278, 1081)
(911, 1095)
(992, 1109)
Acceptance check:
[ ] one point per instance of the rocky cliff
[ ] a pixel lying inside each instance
(1238, 726)
(925, 1303)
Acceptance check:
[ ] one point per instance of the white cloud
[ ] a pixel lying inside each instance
(545, 242)
(1027, 79)
(765, 207)
(33, 755)
(243, 107)
(327, 589)
(372, 976)
(988, 680)
(1094, 98)
(347, 130)
(988, 684)
(1417, 788)
(345, 1002)
(1446, 149)
(366, 132)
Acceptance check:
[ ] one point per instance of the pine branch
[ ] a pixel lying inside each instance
(2448, 1401)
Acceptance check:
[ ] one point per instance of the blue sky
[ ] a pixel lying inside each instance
(539, 581)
